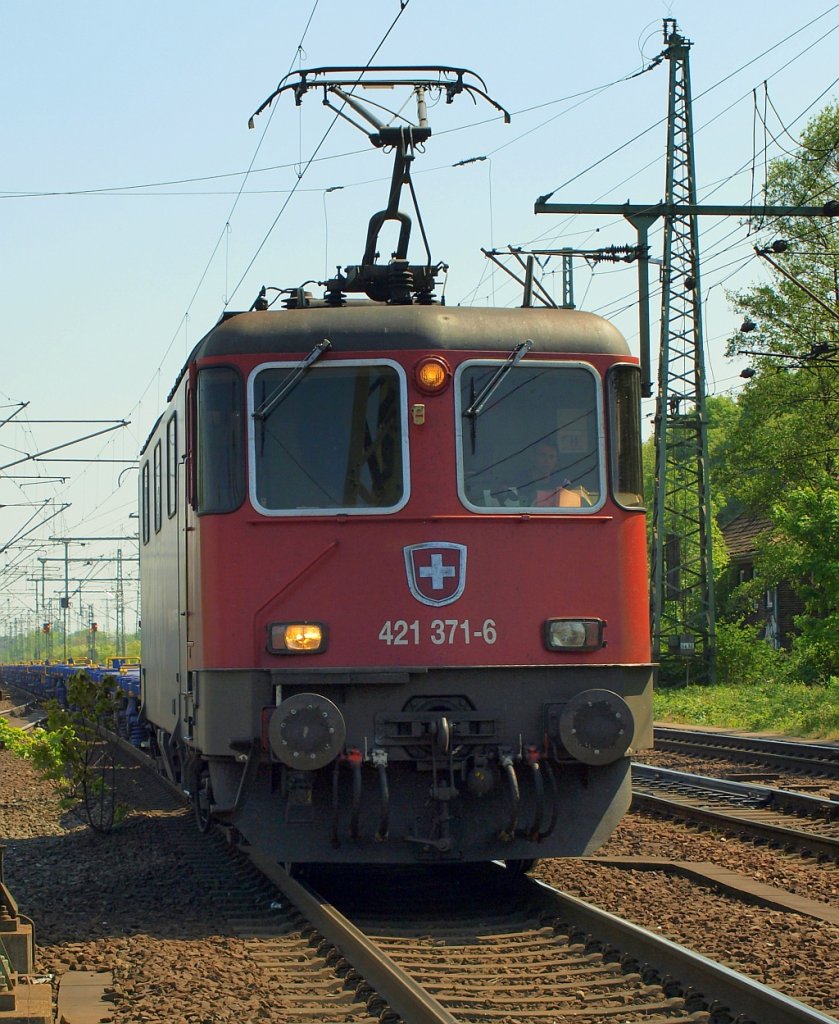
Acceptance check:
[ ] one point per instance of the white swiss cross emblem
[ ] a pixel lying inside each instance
(436, 571)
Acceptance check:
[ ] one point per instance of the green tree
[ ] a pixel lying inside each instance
(789, 412)
(780, 454)
(804, 547)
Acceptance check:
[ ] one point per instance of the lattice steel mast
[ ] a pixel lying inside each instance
(682, 585)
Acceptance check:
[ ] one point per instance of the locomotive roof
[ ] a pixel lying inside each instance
(376, 327)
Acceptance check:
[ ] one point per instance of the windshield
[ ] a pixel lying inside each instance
(536, 444)
(336, 442)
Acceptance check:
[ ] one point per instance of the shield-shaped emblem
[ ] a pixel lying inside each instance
(436, 571)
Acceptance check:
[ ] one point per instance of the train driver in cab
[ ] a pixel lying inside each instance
(544, 486)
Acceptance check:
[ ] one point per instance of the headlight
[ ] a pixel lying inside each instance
(297, 637)
(574, 634)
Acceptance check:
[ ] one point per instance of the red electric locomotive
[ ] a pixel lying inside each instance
(394, 576)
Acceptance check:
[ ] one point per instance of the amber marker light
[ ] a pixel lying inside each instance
(432, 375)
(297, 637)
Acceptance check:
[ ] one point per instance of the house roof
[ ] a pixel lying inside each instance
(742, 532)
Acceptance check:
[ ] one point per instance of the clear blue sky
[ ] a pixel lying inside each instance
(110, 275)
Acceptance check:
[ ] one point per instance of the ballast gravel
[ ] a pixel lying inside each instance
(123, 903)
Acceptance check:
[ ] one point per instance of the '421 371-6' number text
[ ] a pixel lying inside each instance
(399, 633)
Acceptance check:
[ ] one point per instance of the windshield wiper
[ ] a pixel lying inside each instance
(291, 381)
(515, 357)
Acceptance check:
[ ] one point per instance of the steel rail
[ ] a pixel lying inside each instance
(7, 712)
(818, 845)
(786, 753)
(745, 998)
(404, 995)
(769, 797)
(26, 724)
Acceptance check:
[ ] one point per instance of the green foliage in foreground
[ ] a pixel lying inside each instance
(48, 750)
(791, 709)
(68, 751)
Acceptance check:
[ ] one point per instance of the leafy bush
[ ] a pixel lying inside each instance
(743, 657)
(48, 750)
(759, 689)
(69, 751)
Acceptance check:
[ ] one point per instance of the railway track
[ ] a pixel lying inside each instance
(809, 758)
(410, 945)
(538, 955)
(472, 945)
(459, 945)
(787, 819)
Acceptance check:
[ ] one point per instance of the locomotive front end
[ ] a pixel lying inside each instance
(413, 584)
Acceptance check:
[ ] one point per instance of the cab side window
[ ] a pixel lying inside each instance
(221, 449)
(624, 390)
